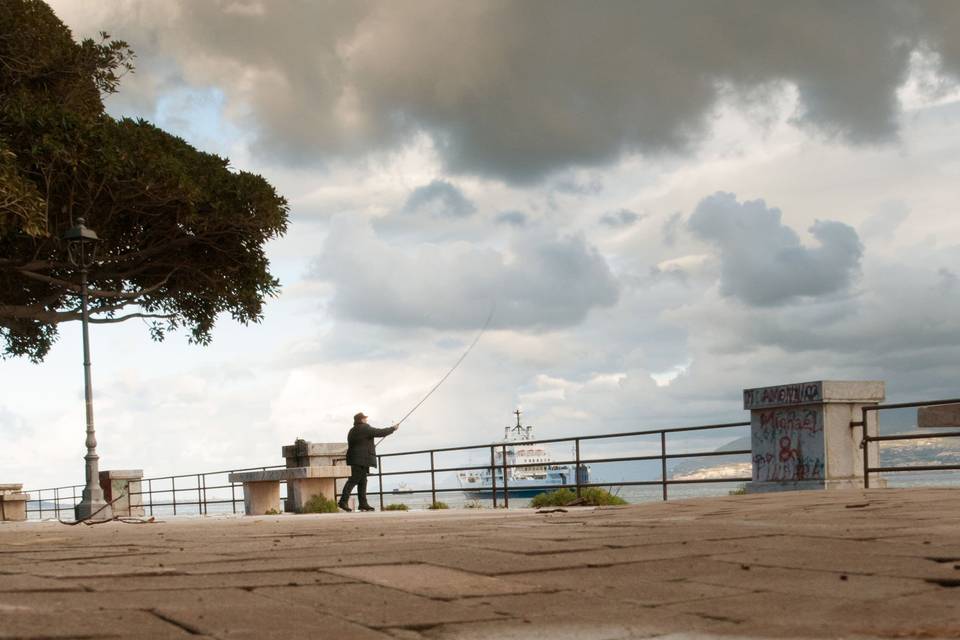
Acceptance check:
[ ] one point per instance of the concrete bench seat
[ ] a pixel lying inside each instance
(261, 489)
(13, 502)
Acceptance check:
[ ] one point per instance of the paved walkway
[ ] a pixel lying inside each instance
(879, 563)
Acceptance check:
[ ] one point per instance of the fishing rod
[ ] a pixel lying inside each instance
(452, 369)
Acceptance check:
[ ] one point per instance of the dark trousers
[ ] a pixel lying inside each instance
(358, 479)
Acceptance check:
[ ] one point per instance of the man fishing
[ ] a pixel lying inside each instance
(361, 455)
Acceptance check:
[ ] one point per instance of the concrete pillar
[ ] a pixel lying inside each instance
(13, 503)
(300, 491)
(123, 485)
(261, 497)
(801, 436)
(314, 454)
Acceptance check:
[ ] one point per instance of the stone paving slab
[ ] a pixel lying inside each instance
(858, 564)
(265, 621)
(431, 581)
(242, 579)
(624, 583)
(18, 624)
(377, 607)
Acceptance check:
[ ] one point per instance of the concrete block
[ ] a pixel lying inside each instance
(312, 454)
(296, 473)
(801, 436)
(261, 497)
(124, 486)
(13, 505)
(299, 492)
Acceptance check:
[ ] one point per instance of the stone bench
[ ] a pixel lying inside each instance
(261, 489)
(13, 502)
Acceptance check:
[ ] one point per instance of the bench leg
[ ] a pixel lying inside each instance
(261, 497)
(303, 489)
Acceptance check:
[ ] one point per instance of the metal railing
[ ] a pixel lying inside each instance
(161, 495)
(866, 439)
(194, 494)
(197, 493)
(502, 469)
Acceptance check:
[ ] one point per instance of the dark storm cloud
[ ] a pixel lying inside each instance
(621, 218)
(762, 261)
(571, 186)
(519, 90)
(542, 282)
(513, 218)
(439, 199)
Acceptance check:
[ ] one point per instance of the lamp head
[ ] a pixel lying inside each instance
(81, 244)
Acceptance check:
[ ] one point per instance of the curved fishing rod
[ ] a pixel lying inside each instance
(452, 369)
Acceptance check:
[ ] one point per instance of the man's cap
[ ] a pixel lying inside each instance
(359, 417)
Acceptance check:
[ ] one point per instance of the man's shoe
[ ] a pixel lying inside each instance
(343, 505)
(366, 507)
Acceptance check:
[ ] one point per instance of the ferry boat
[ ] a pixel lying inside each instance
(525, 481)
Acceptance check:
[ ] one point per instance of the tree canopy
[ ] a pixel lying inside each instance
(181, 234)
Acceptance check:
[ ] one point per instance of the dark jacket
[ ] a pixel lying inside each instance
(361, 449)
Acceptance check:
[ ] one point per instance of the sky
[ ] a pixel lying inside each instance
(664, 203)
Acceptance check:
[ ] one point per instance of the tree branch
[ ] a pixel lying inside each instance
(96, 293)
(131, 315)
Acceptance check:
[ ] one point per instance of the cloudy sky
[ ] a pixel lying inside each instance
(666, 202)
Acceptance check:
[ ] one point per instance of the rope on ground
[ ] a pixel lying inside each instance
(124, 519)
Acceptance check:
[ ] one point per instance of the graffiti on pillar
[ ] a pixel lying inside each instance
(782, 395)
(787, 444)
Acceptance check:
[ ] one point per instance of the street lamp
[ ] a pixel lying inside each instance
(81, 252)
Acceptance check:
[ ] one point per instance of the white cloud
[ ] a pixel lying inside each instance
(762, 262)
(540, 282)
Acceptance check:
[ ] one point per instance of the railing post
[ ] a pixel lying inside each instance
(506, 484)
(493, 476)
(173, 491)
(865, 443)
(56, 502)
(150, 492)
(576, 468)
(380, 480)
(199, 497)
(433, 482)
(663, 462)
(233, 496)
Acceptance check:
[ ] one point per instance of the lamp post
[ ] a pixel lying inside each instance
(81, 252)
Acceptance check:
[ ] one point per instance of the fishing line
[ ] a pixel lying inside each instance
(452, 369)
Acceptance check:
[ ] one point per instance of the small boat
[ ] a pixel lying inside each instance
(538, 475)
(402, 488)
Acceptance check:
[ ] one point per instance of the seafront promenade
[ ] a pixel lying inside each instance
(854, 563)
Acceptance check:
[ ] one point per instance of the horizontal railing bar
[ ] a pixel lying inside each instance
(708, 454)
(907, 405)
(709, 480)
(914, 436)
(926, 467)
(514, 489)
(623, 434)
